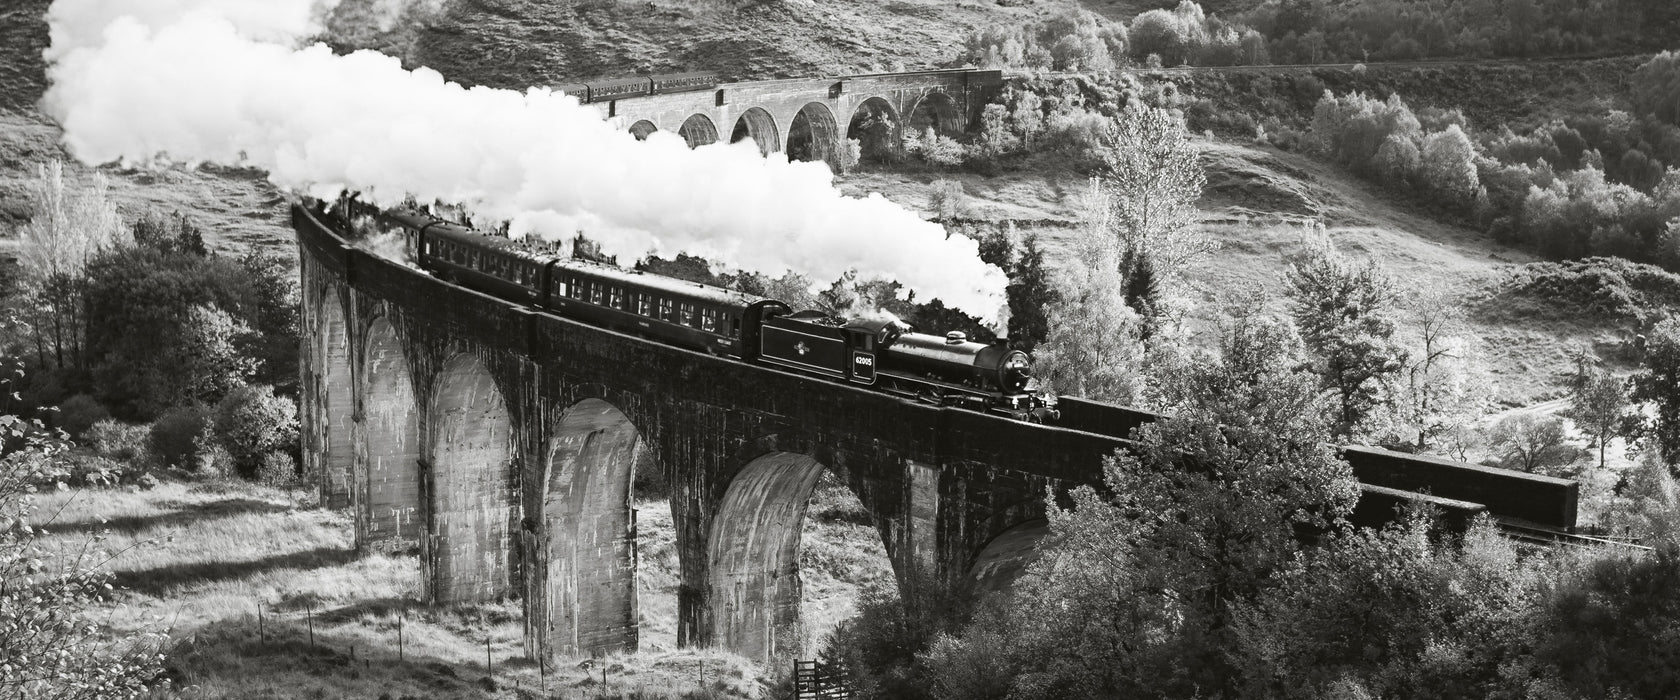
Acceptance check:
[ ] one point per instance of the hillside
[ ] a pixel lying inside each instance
(1253, 192)
(1260, 205)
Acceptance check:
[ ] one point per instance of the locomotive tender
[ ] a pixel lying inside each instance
(884, 354)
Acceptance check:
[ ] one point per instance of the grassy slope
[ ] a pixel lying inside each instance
(1257, 204)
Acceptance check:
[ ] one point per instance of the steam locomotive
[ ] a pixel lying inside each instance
(888, 355)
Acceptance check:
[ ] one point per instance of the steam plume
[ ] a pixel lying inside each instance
(152, 82)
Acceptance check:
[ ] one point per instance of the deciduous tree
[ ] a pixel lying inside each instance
(1658, 386)
(1344, 311)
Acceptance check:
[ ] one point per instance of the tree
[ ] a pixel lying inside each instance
(947, 200)
(1136, 593)
(1449, 165)
(1030, 295)
(1152, 179)
(1344, 313)
(1092, 347)
(1656, 86)
(1443, 387)
(71, 224)
(50, 647)
(1598, 403)
(252, 423)
(1530, 442)
(1658, 386)
(1396, 613)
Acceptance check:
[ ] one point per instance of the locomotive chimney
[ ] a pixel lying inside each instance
(956, 338)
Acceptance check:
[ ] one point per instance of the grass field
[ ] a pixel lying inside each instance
(243, 577)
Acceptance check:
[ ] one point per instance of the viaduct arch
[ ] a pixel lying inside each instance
(811, 118)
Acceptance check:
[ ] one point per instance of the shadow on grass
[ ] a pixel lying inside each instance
(159, 580)
(285, 660)
(184, 513)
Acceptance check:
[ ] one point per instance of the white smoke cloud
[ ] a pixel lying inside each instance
(152, 82)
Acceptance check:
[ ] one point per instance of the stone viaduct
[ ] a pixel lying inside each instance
(811, 118)
(502, 443)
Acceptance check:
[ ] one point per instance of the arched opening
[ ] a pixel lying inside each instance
(698, 130)
(390, 515)
(874, 125)
(642, 129)
(757, 568)
(938, 111)
(813, 135)
(1004, 559)
(588, 603)
(472, 486)
(758, 125)
(337, 404)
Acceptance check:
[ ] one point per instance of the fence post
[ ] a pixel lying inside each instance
(399, 636)
(487, 670)
(309, 615)
(261, 630)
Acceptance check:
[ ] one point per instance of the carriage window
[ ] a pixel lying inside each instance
(617, 299)
(595, 293)
(708, 320)
(735, 328)
(644, 304)
(665, 309)
(687, 314)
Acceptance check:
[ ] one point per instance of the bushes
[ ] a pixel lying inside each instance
(252, 424)
(174, 437)
(1656, 86)
(79, 413)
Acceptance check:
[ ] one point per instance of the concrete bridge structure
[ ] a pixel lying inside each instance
(811, 118)
(503, 442)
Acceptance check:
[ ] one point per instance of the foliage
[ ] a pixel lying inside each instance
(1530, 442)
(1192, 526)
(1443, 387)
(1611, 289)
(948, 201)
(1153, 178)
(71, 224)
(1345, 315)
(1599, 404)
(1093, 344)
(252, 424)
(116, 440)
(1658, 386)
(1613, 630)
(168, 326)
(1070, 41)
(1395, 613)
(879, 645)
(174, 435)
(79, 413)
(1656, 86)
(277, 469)
(1030, 296)
(50, 644)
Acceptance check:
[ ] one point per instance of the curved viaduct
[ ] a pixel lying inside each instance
(503, 443)
(811, 118)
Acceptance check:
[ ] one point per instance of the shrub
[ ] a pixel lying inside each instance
(78, 413)
(277, 469)
(252, 422)
(114, 439)
(175, 433)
